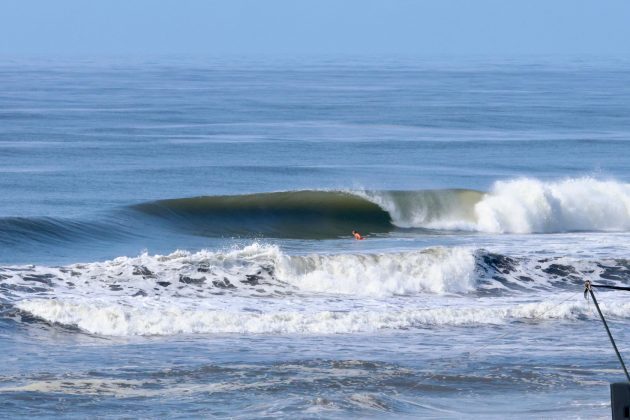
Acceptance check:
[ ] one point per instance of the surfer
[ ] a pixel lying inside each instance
(357, 235)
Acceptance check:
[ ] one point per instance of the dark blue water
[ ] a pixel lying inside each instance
(175, 235)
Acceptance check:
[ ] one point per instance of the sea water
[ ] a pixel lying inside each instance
(175, 236)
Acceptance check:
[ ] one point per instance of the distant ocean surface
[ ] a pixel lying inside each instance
(175, 236)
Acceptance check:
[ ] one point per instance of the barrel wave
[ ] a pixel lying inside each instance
(317, 214)
(513, 206)
(516, 206)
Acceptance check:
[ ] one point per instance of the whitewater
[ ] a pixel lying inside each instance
(175, 237)
(260, 289)
(135, 297)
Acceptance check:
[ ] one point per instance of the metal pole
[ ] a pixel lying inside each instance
(612, 341)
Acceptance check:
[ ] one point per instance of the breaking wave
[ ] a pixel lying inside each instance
(256, 270)
(514, 206)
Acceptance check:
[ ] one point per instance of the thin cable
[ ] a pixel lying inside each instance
(604, 286)
(589, 287)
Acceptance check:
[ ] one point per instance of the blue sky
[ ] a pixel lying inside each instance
(504, 27)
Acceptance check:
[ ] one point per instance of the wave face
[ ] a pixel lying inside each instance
(260, 289)
(294, 214)
(450, 209)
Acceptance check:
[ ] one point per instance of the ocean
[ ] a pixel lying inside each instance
(175, 236)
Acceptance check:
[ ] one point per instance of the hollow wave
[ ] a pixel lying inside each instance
(520, 206)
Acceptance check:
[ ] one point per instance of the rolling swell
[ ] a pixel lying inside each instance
(50, 230)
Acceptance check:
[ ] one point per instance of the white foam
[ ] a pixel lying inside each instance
(529, 205)
(106, 318)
